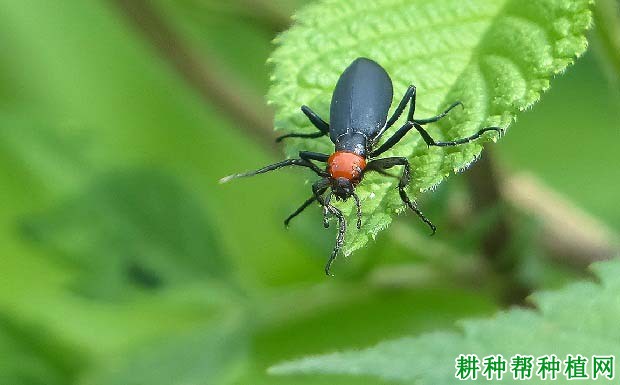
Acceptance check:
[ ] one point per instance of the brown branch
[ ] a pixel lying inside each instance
(484, 185)
(276, 17)
(569, 234)
(208, 77)
(486, 194)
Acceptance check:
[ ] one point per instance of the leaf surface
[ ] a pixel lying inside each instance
(496, 56)
(579, 319)
(138, 229)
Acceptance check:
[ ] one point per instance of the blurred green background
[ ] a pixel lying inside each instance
(123, 261)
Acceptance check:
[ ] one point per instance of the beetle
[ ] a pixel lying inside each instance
(358, 119)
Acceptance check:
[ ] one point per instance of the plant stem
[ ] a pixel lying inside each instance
(212, 81)
(485, 191)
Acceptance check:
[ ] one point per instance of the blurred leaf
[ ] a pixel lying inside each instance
(581, 167)
(553, 329)
(41, 151)
(495, 56)
(140, 111)
(607, 20)
(26, 360)
(208, 355)
(208, 26)
(138, 228)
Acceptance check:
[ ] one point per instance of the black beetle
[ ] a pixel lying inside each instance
(358, 118)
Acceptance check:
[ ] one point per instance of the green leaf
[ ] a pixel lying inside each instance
(28, 361)
(579, 319)
(210, 354)
(496, 56)
(131, 229)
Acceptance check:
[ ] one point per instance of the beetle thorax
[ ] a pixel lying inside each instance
(346, 165)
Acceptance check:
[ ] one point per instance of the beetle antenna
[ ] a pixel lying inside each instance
(359, 211)
(275, 166)
(326, 209)
(342, 229)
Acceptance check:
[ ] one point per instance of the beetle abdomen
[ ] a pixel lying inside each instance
(361, 99)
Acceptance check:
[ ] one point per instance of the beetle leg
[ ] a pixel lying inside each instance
(398, 135)
(436, 118)
(409, 95)
(431, 142)
(386, 163)
(316, 120)
(385, 173)
(309, 155)
(392, 140)
(313, 135)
